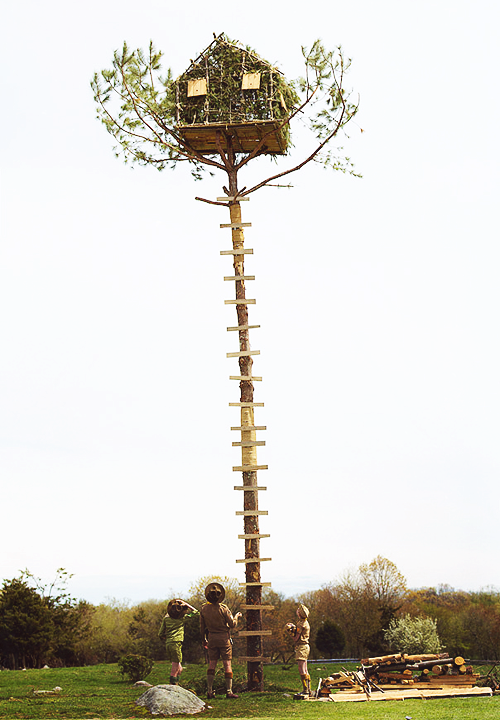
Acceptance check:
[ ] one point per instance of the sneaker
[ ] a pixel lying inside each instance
(231, 695)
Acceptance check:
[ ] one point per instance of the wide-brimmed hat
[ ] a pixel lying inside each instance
(214, 592)
(303, 611)
(176, 609)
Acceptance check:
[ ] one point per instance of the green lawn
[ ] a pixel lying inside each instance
(101, 692)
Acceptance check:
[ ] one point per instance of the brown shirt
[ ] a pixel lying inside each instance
(304, 629)
(217, 619)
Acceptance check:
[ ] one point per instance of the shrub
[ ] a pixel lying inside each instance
(330, 639)
(413, 635)
(137, 667)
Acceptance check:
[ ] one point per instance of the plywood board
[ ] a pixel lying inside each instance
(245, 136)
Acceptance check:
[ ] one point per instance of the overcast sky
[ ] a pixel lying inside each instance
(378, 300)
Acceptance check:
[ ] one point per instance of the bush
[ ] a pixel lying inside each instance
(330, 639)
(137, 667)
(413, 635)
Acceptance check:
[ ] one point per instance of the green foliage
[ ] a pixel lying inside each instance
(330, 639)
(223, 65)
(40, 624)
(141, 107)
(413, 635)
(144, 626)
(135, 667)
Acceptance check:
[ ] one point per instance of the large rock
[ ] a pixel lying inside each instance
(170, 700)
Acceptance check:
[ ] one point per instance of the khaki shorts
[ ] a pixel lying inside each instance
(302, 651)
(224, 652)
(174, 652)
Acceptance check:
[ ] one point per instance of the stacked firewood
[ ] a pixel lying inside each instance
(401, 670)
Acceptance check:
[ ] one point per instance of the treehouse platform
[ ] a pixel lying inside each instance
(245, 136)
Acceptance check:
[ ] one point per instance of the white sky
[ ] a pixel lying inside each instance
(378, 302)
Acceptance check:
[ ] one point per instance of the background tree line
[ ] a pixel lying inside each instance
(367, 611)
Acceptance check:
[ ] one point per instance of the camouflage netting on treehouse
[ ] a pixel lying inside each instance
(229, 87)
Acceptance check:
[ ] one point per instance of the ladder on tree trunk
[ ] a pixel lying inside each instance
(248, 444)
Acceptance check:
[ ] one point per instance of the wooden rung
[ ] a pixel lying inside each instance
(245, 658)
(240, 301)
(245, 377)
(232, 199)
(235, 225)
(253, 560)
(250, 488)
(256, 607)
(249, 427)
(243, 327)
(239, 277)
(249, 468)
(249, 513)
(252, 536)
(243, 353)
(250, 633)
(240, 251)
(248, 443)
(246, 404)
(255, 584)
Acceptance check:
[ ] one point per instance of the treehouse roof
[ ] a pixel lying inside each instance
(231, 89)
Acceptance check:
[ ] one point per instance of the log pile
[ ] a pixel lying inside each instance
(401, 671)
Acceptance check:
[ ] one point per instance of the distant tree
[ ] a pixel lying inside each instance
(330, 639)
(41, 623)
(386, 584)
(25, 625)
(110, 638)
(144, 627)
(413, 635)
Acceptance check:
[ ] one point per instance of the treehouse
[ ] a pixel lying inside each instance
(232, 96)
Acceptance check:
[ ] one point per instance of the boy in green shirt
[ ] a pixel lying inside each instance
(172, 632)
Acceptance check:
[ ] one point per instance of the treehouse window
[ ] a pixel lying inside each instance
(197, 87)
(251, 81)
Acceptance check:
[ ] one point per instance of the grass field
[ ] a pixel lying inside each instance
(101, 692)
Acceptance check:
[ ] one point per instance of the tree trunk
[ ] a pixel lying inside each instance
(249, 457)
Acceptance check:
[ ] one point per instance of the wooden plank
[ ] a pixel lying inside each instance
(246, 404)
(256, 607)
(249, 468)
(242, 327)
(253, 560)
(253, 633)
(240, 301)
(251, 513)
(239, 277)
(255, 584)
(235, 225)
(246, 377)
(407, 694)
(240, 251)
(252, 536)
(248, 443)
(245, 136)
(231, 198)
(250, 487)
(249, 427)
(243, 353)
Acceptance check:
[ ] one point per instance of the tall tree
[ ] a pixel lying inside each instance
(227, 109)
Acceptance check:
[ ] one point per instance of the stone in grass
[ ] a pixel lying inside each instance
(170, 700)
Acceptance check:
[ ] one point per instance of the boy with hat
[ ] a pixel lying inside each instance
(172, 632)
(300, 634)
(216, 621)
